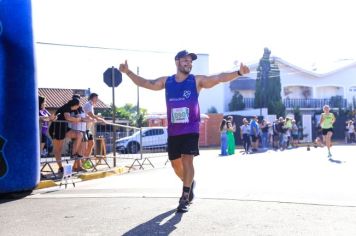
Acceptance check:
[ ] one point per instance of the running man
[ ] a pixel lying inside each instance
(327, 121)
(183, 114)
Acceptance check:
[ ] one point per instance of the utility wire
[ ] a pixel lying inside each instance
(102, 48)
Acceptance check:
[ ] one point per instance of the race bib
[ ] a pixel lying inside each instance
(180, 115)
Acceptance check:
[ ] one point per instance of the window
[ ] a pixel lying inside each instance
(153, 132)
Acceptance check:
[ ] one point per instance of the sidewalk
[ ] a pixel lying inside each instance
(123, 165)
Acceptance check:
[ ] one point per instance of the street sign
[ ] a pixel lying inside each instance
(112, 77)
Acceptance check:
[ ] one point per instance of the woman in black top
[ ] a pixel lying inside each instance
(59, 130)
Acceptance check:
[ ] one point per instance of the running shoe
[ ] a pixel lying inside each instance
(60, 170)
(183, 206)
(191, 193)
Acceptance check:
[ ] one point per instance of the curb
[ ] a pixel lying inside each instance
(46, 184)
(103, 174)
(85, 176)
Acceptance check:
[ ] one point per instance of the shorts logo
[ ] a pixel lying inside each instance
(3, 164)
(186, 94)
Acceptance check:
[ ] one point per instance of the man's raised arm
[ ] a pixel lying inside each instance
(156, 84)
(211, 81)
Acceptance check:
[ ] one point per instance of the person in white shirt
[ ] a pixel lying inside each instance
(245, 135)
(89, 111)
(351, 131)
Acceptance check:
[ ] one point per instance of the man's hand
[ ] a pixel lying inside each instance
(124, 68)
(244, 69)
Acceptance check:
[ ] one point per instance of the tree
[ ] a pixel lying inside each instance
(297, 114)
(212, 109)
(128, 112)
(268, 86)
(237, 102)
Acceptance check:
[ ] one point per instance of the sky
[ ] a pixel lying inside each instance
(149, 33)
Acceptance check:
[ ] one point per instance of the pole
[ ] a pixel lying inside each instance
(138, 102)
(113, 114)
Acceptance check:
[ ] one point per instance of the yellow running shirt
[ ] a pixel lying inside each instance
(328, 120)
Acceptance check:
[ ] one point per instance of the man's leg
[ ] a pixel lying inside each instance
(328, 138)
(188, 170)
(178, 167)
(186, 173)
(89, 148)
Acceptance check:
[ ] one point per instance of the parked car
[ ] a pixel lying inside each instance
(153, 138)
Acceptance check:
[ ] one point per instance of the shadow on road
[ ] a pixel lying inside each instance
(335, 161)
(162, 224)
(9, 197)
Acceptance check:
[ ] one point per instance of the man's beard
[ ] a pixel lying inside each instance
(185, 70)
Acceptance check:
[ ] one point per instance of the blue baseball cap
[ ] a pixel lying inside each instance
(185, 53)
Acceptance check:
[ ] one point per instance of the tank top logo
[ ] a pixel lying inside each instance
(186, 94)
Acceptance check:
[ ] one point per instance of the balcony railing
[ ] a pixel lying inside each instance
(312, 103)
(301, 103)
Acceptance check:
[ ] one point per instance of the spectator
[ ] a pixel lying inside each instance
(264, 136)
(231, 128)
(89, 111)
(351, 131)
(59, 130)
(275, 135)
(288, 127)
(254, 133)
(282, 133)
(270, 134)
(80, 129)
(245, 135)
(294, 131)
(45, 118)
(223, 138)
(346, 131)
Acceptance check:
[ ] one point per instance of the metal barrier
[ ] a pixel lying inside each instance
(136, 144)
(112, 143)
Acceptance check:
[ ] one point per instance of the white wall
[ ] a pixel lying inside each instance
(338, 83)
(208, 97)
(328, 91)
(212, 97)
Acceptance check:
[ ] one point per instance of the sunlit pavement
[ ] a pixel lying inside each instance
(291, 192)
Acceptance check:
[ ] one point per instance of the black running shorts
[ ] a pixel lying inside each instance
(325, 131)
(58, 130)
(183, 144)
(89, 135)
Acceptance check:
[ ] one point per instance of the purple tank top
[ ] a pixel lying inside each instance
(183, 112)
(44, 124)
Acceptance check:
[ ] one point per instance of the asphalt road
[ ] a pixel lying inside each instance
(295, 192)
